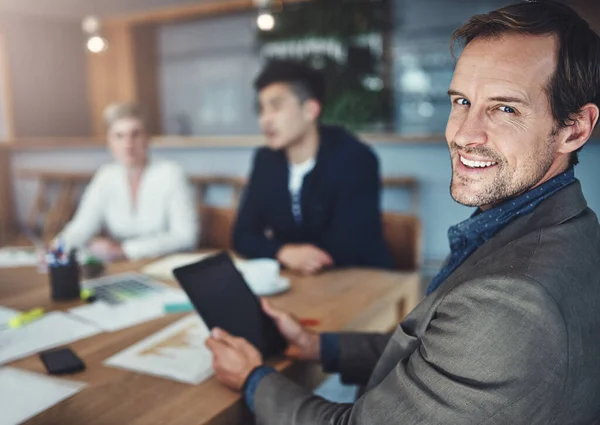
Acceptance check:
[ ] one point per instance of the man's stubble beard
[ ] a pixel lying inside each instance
(503, 186)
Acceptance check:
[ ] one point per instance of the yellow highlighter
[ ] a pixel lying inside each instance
(22, 319)
(86, 294)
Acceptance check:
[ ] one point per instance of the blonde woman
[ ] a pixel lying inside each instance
(145, 206)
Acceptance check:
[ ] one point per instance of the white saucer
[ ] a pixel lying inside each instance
(279, 286)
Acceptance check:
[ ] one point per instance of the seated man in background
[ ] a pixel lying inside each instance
(145, 206)
(314, 191)
(509, 331)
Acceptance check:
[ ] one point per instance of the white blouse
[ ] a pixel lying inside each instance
(163, 220)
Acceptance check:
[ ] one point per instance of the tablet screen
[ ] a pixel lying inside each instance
(220, 295)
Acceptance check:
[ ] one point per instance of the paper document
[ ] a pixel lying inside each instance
(50, 331)
(163, 269)
(111, 318)
(134, 306)
(261, 274)
(176, 352)
(18, 257)
(114, 317)
(24, 394)
(5, 315)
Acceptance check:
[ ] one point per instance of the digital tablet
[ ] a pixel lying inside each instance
(221, 297)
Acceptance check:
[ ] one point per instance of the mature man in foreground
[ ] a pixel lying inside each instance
(508, 333)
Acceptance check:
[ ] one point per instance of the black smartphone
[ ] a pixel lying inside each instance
(62, 361)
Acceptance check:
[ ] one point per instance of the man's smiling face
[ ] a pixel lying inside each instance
(501, 132)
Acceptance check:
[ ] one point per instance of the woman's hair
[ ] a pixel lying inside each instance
(119, 110)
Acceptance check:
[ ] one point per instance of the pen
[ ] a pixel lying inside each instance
(59, 247)
(310, 322)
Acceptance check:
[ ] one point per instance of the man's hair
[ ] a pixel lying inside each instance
(576, 79)
(119, 110)
(306, 83)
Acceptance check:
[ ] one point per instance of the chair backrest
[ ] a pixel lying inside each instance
(49, 214)
(216, 223)
(402, 234)
(216, 227)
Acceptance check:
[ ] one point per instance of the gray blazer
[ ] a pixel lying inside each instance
(512, 337)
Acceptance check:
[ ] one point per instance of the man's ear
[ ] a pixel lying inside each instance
(575, 135)
(312, 109)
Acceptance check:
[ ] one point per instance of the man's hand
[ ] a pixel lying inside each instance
(106, 249)
(306, 259)
(304, 344)
(233, 358)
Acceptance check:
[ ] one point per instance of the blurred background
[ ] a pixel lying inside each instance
(191, 64)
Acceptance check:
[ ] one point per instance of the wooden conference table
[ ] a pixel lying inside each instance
(353, 299)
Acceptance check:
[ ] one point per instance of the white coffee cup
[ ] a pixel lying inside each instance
(261, 274)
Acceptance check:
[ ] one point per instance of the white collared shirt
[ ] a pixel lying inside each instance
(163, 220)
(297, 174)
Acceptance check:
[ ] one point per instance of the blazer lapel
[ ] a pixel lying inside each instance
(562, 206)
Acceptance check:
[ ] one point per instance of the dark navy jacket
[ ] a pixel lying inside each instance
(339, 201)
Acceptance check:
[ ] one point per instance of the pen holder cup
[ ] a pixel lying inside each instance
(64, 281)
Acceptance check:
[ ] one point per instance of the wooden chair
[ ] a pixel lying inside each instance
(402, 234)
(48, 215)
(402, 231)
(216, 223)
(216, 227)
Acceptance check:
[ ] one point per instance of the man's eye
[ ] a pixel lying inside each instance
(506, 109)
(462, 101)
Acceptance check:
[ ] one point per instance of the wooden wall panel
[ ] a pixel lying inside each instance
(8, 227)
(190, 11)
(111, 73)
(6, 94)
(146, 74)
(127, 71)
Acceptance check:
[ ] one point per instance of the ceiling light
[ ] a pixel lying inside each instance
(90, 25)
(97, 44)
(265, 21)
